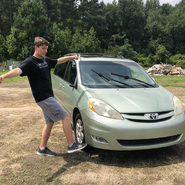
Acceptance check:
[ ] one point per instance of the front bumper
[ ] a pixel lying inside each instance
(129, 135)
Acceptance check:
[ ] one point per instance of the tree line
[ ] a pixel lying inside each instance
(145, 32)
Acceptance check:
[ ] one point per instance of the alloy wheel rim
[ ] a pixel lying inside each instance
(79, 131)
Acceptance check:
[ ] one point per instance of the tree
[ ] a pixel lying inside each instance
(111, 34)
(151, 5)
(61, 40)
(69, 15)
(146, 26)
(30, 21)
(162, 55)
(177, 22)
(92, 14)
(132, 18)
(159, 28)
(7, 9)
(2, 48)
(87, 43)
(53, 9)
(127, 51)
(114, 50)
(12, 44)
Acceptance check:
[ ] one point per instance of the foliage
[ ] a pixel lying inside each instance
(143, 61)
(87, 43)
(178, 60)
(177, 57)
(158, 26)
(12, 44)
(162, 55)
(153, 30)
(131, 21)
(181, 64)
(20, 41)
(60, 41)
(7, 9)
(113, 50)
(2, 48)
(127, 51)
(177, 19)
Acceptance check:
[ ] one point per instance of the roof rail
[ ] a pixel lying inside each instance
(86, 55)
(71, 54)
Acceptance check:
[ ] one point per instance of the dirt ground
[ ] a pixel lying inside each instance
(21, 123)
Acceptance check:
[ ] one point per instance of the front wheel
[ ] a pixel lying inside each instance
(79, 129)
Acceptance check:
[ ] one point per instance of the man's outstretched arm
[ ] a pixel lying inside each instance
(15, 72)
(65, 59)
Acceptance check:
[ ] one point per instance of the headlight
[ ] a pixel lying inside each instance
(178, 108)
(103, 109)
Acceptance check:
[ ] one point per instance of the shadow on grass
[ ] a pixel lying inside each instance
(125, 159)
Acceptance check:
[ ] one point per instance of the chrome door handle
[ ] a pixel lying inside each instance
(61, 85)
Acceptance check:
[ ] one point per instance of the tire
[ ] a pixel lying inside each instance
(79, 129)
(79, 132)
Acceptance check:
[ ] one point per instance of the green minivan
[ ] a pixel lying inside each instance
(114, 104)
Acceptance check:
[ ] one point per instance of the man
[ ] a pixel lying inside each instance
(37, 69)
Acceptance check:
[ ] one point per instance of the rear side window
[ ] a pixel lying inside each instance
(60, 70)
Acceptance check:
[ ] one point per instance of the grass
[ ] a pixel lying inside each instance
(165, 81)
(15, 79)
(172, 81)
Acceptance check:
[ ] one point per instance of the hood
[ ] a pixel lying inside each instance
(136, 100)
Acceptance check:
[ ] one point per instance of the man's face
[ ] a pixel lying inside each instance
(41, 51)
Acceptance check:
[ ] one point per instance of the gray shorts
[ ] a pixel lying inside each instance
(52, 110)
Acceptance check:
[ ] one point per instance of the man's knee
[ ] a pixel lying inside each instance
(50, 124)
(67, 118)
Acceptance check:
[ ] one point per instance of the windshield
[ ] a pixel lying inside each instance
(110, 74)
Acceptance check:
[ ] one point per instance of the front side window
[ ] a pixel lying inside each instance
(71, 72)
(60, 70)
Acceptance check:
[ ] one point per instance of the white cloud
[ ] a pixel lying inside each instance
(172, 2)
(107, 1)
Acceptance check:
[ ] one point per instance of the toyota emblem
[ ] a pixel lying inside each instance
(153, 116)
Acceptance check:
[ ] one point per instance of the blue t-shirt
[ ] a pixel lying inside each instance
(39, 76)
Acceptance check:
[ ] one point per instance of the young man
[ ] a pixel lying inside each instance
(37, 69)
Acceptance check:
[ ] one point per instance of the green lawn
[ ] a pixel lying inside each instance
(173, 81)
(165, 81)
(15, 79)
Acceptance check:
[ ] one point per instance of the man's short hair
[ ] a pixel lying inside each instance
(40, 41)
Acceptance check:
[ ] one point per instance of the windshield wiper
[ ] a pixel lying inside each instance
(127, 77)
(108, 80)
(100, 75)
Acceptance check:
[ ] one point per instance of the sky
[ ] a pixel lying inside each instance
(172, 2)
